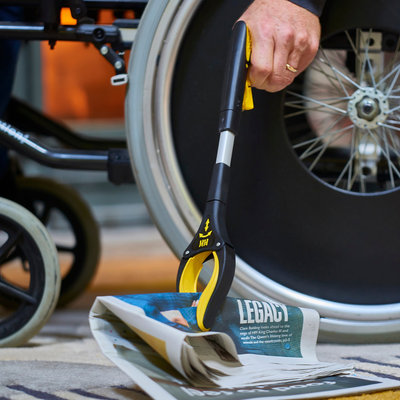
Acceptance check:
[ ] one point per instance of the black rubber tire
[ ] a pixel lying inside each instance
(85, 229)
(172, 107)
(36, 246)
(285, 223)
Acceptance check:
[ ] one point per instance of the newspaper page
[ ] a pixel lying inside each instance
(256, 349)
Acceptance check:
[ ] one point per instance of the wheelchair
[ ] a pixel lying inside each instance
(315, 175)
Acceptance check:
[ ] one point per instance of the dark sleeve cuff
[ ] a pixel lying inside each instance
(315, 6)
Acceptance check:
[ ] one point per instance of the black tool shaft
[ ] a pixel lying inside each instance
(234, 80)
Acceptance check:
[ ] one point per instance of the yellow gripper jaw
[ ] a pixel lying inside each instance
(207, 245)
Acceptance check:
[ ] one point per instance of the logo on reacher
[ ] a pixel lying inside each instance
(205, 238)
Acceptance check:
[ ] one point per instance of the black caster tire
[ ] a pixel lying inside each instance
(34, 301)
(67, 201)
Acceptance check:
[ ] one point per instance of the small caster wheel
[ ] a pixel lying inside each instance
(54, 203)
(28, 295)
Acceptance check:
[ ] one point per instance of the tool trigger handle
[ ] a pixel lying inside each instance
(236, 88)
(248, 103)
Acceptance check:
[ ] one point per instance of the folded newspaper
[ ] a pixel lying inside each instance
(255, 347)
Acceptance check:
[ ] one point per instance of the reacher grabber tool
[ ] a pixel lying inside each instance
(211, 240)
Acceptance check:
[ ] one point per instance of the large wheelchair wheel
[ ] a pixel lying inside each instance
(313, 207)
(29, 279)
(79, 247)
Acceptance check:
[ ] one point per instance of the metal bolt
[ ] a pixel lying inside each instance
(104, 50)
(118, 65)
(187, 252)
(218, 244)
(367, 108)
(99, 34)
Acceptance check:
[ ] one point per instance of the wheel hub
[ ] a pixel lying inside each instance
(367, 108)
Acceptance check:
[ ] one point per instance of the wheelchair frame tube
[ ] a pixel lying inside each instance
(63, 159)
(25, 118)
(91, 4)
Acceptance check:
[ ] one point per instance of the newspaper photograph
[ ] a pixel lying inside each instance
(255, 349)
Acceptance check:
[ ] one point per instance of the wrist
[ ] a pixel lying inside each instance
(314, 6)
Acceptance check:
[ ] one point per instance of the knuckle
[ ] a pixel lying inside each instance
(290, 80)
(314, 46)
(302, 39)
(276, 80)
(288, 34)
(264, 70)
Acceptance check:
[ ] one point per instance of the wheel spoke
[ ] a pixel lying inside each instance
(334, 99)
(384, 153)
(363, 68)
(325, 134)
(394, 144)
(367, 61)
(349, 179)
(388, 126)
(344, 76)
(352, 45)
(387, 152)
(356, 172)
(309, 152)
(393, 109)
(333, 69)
(329, 77)
(394, 70)
(12, 241)
(353, 153)
(332, 140)
(65, 249)
(307, 110)
(390, 146)
(15, 253)
(45, 214)
(370, 68)
(392, 84)
(339, 110)
(16, 293)
(393, 60)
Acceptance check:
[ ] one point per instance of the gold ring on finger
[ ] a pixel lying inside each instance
(290, 68)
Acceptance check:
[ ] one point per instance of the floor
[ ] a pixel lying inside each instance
(64, 362)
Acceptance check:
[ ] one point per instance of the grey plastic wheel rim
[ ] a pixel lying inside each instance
(160, 181)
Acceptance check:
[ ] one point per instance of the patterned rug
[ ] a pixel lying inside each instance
(64, 362)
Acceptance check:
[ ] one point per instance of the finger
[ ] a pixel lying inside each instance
(303, 54)
(294, 59)
(280, 76)
(262, 60)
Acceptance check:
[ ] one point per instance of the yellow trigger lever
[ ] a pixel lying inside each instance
(211, 242)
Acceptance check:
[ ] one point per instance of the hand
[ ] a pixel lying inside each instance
(282, 33)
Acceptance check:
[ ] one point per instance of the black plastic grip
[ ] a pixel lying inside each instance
(234, 80)
(219, 184)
